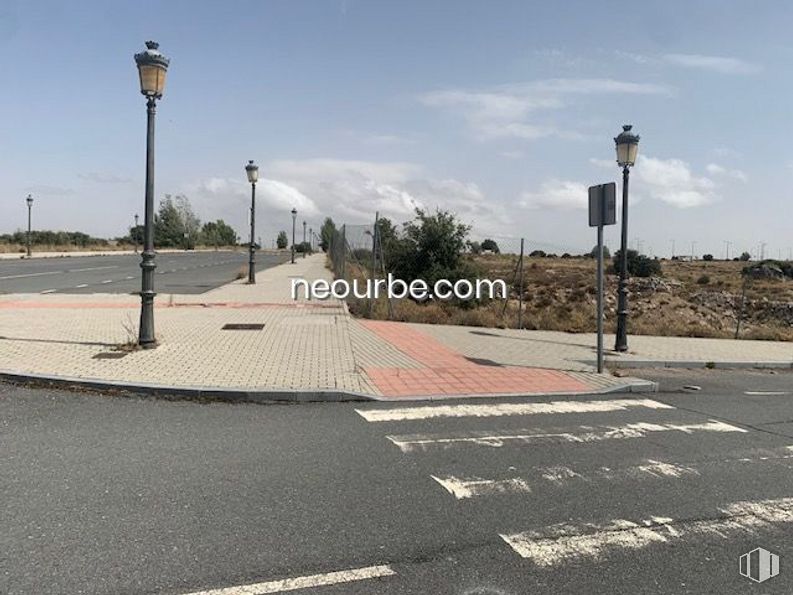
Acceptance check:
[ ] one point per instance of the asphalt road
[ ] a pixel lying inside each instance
(110, 495)
(177, 272)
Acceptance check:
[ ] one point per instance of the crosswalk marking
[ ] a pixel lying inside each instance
(410, 443)
(555, 544)
(304, 582)
(462, 488)
(502, 409)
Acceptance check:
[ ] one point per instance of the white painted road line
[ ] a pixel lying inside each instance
(81, 285)
(31, 275)
(304, 582)
(129, 277)
(766, 393)
(410, 443)
(106, 281)
(49, 291)
(557, 544)
(502, 409)
(115, 266)
(462, 488)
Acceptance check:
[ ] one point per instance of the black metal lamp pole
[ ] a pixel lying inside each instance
(29, 200)
(253, 176)
(135, 234)
(627, 145)
(304, 239)
(294, 218)
(152, 66)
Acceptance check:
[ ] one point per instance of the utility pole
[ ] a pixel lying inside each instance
(692, 250)
(673, 249)
(762, 250)
(727, 253)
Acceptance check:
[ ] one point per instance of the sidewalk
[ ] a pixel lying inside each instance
(306, 349)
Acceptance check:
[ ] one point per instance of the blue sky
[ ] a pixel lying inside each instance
(501, 111)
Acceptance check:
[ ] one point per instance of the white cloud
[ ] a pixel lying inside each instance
(504, 111)
(717, 170)
(561, 195)
(720, 64)
(670, 181)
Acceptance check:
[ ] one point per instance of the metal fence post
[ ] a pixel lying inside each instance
(520, 287)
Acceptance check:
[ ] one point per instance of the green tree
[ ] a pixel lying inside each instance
(168, 226)
(431, 248)
(490, 245)
(282, 241)
(745, 257)
(326, 233)
(218, 233)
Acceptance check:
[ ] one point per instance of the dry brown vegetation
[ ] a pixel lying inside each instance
(692, 299)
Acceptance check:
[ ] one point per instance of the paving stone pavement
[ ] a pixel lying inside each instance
(311, 345)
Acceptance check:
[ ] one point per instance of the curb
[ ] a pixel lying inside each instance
(697, 364)
(236, 395)
(196, 393)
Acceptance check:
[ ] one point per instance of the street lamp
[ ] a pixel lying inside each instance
(152, 67)
(311, 238)
(627, 145)
(294, 217)
(304, 239)
(135, 234)
(253, 176)
(29, 200)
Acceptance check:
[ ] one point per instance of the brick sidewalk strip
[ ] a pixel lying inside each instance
(447, 372)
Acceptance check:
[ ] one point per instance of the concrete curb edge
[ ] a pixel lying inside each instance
(239, 395)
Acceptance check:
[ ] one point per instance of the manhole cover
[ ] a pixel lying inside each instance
(233, 326)
(110, 355)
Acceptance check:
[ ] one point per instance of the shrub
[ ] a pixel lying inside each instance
(707, 257)
(703, 280)
(639, 265)
(491, 245)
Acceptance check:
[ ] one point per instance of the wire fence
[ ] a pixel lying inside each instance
(358, 253)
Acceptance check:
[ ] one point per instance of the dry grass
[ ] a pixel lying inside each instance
(559, 294)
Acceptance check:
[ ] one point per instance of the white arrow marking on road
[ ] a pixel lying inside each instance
(637, 430)
(501, 409)
(468, 488)
(304, 582)
(563, 542)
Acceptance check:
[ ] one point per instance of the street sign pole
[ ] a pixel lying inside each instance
(602, 211)
(600, 299)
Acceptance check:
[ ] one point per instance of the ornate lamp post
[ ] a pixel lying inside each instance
(135, 234)
(627, 145)
(253, 176)
(304, 239)
(152, 67)
(29, 201)
(294, 217)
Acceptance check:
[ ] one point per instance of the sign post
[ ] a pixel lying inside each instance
(602, 211)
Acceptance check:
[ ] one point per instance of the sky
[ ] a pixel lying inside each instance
(502, 112)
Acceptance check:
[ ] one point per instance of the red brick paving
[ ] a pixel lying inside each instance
(450, 373)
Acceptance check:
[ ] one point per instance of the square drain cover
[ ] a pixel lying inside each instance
(243, 327)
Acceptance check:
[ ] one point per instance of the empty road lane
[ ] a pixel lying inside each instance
(177, 272)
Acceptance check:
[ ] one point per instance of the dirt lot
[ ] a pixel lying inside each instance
(692, 299)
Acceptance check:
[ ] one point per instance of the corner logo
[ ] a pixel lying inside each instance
(759, 565)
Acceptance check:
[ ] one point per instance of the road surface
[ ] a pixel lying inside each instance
(177, 272)
(615, 494)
